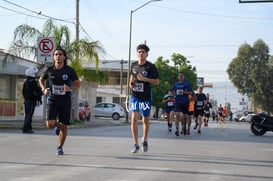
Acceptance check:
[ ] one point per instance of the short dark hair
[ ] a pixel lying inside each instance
(144, 47)
(64, 53)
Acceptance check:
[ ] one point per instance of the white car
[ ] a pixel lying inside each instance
(105, 109)
(246, 118)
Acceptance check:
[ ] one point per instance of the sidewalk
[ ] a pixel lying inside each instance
(38, 123)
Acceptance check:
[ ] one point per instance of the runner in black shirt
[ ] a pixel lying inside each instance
(143, 75)
(200, 101)
(63, 81)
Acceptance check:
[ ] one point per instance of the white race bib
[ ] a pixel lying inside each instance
(179, 92)
(58, 90)
(138, 87)
(199, 103)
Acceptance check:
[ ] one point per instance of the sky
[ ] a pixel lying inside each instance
(207, 32)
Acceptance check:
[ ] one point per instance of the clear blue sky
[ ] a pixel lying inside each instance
(209, 32)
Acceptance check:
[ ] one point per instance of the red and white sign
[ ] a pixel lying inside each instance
(46, 46)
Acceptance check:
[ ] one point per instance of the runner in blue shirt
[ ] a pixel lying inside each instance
(182, 89)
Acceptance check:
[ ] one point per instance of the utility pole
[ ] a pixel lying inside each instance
(121, 81)
(77, 19)
(76, 93)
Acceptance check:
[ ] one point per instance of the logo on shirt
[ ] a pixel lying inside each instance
(144, 73)
(65, 77)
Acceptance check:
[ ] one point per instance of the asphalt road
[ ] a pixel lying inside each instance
(103, 153)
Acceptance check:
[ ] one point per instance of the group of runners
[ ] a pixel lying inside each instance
(186, 105)
(195, 107)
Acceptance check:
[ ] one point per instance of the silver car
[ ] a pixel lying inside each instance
(105, 109)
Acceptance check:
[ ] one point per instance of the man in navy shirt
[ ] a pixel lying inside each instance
(182, 89)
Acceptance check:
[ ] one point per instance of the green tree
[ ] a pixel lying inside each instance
(79, 52)
(168, 76)
(250, 72)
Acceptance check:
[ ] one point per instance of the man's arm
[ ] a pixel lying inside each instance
(42, 84)
(75, 85)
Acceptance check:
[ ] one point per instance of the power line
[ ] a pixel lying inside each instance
(20, 12)
(38, 13)
(214, 15)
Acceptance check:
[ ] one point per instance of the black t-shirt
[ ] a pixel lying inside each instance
(142, 90)
(200, 100)
(57, 78)
(207, 108)
(171, 102)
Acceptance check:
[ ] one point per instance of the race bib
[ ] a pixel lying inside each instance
(199, 103)
(169, 103)
(58, 90)
(138, 87)
(179, 92)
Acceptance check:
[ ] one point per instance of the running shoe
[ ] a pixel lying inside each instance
(135, 148)
(144, 146)
(59, 151)
(170, 127)
(195, 126)
(199, 131)
(57, 130)
(184, 131)
(177, 133)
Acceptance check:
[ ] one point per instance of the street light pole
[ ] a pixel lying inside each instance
(130, 43)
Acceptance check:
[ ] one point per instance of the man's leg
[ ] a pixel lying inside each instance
(177, 120)
(200, 121)
(134, 130)
(146, 126)
(184, 122)
(189, 124)
(134, 127)
(62, 135)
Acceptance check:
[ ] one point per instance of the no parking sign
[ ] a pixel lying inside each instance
(46, 46)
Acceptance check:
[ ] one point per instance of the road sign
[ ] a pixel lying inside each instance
(46, 46)
(200, 81)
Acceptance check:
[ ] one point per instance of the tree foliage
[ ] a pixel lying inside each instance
(79, 52)
(251, 71)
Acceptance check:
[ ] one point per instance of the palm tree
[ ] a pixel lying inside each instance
(83, 51)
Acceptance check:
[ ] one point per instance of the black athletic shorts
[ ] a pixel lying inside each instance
(60, 110)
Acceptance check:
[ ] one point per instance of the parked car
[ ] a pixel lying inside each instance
(105, 109)
(246, 118)
(84, 110)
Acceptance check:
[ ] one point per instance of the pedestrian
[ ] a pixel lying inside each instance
(220, 113)
(224, 113)
(32, 94)
(62, 82)
(143, 75)
(200, 101)
(169, 101)
(213, 114)
(182, 89)
(230, 115)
